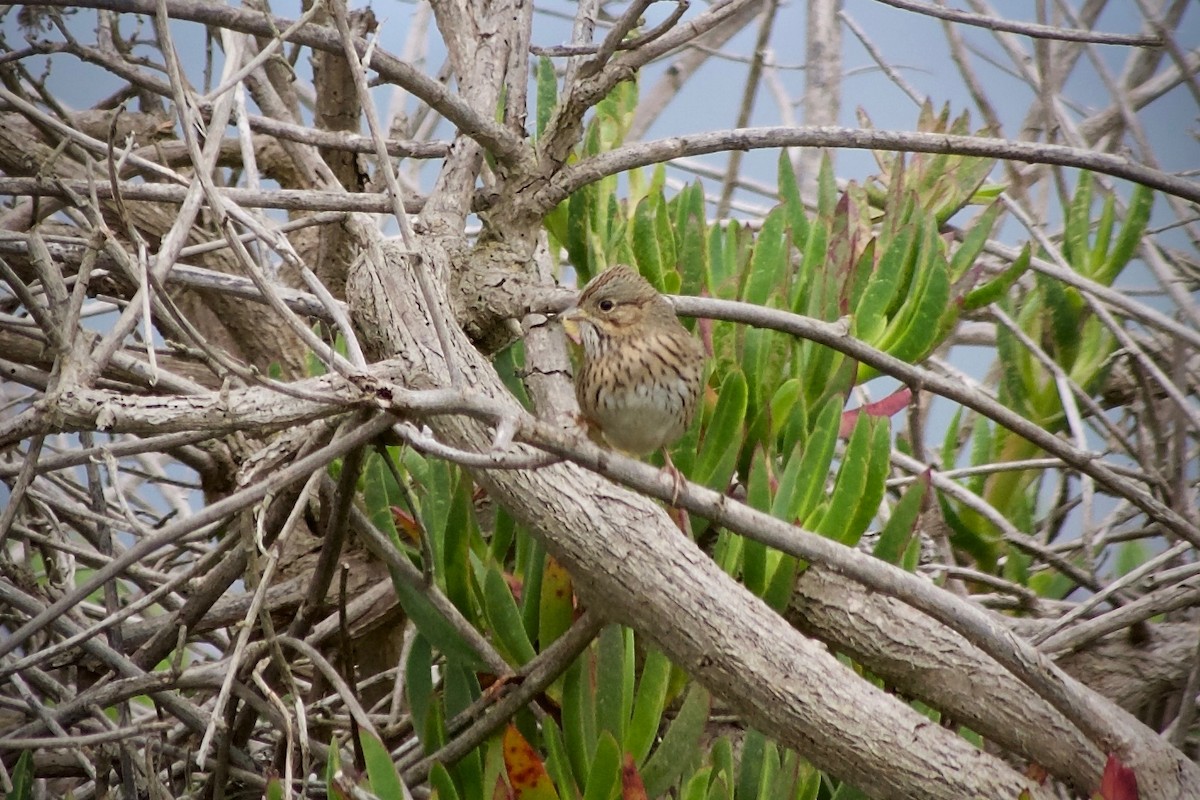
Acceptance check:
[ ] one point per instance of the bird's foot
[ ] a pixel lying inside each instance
(676, 476)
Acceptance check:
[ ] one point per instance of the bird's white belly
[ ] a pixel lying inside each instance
(641, 418)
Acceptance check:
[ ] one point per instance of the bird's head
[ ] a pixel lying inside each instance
(617, 303)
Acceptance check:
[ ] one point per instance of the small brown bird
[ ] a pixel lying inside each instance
(641, 371)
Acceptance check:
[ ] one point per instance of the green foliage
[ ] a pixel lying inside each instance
(22, 778)
(898, 532)
(944, 183)
(649, 702)
(773, 421)
(717, 456)
(547, 93)
(428, 720)
(332, 765)
(504, 618)
(772, 415)
(443, 783)
(678, 747)
(594, 232)
(1053, 318)
(385, 781)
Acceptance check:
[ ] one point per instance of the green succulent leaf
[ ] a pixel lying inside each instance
(768, 265)
(504, 618)
(442, 783)
(803, 481)
(696, 786)
(974, 241)
(385, 781)
(558, 764)
(1078, 219)
(789, 194)
(1102, 239)
(1141, 202)
(418, 687)
(333, 765)
(723, 439)
(648, 704)
(547, 93)
(22, 778)
(997, 287)
(898, 531)
(614, 680)
(670, 758)
(753, 773)
(875, 483)
(430, 622)
(578, 717)
(605, 772)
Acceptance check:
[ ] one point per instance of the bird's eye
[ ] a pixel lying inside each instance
(606, 305)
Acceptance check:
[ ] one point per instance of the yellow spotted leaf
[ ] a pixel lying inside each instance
(526, 772)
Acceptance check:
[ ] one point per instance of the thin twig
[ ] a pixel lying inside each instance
(1030, 29)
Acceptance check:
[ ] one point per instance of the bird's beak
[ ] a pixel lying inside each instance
(570, 322)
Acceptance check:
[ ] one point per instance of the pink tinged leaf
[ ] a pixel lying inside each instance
(892, 404)
(1119, 781)
(632, 787)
